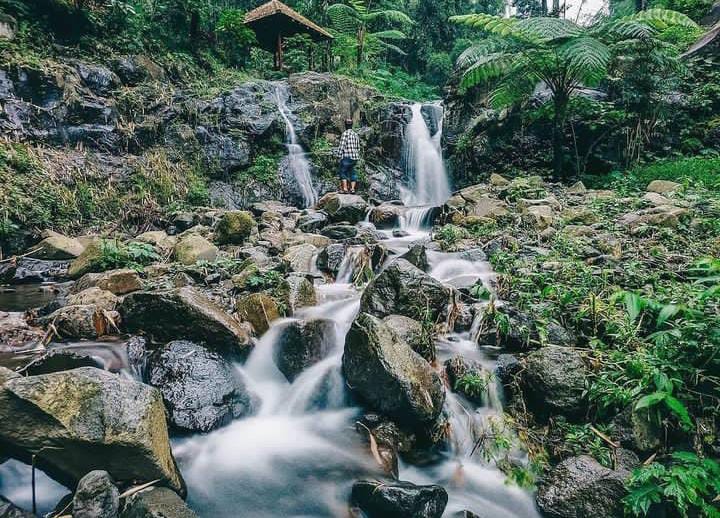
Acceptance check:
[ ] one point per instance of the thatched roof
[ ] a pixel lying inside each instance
(275, 18)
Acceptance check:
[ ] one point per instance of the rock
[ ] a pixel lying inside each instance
(100, 298)
(554, 380)
(234, 227)
(312, 221)
(540, 216)
(386, 215)
(580, 486)
(119, 282)
(399, 499)
(655, 199)
(340, 232)
(192, 248)
(297, 291)
(16, 332)
(417, 256)
(259, 309)
(577, 188)
(507, 368)
(8, 28)
(58, 247)
(184, 313)
(667, 216)
(404, 289)
(57, 360)
(159, 239)
(487, 208)
(302, 344)
(315, 240)
(349, 208)
(663, 186)
(412, 333)
(62, 416)
(637, 429)
(387, 374)
(96, 496)
(498, 181)
(156, 502)
(331, 257)
(7, 508)
(88, 260)
(87, 321)
(300, 258)
(460, 370)
(31, 271)
(201, 390)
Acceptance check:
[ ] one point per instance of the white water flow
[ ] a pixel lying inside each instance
(297, 161)
(424, 166)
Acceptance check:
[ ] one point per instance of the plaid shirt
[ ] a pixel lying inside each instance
(349, 145)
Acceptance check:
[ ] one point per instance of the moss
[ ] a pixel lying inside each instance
(234, 227)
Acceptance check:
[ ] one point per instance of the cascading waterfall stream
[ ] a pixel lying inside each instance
(297, 162)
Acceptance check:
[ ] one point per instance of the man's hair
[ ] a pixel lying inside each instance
(348, 123)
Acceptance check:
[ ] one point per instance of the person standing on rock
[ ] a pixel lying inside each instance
(349, 153)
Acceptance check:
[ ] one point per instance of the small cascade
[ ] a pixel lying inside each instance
(424, 166)
(296, 160)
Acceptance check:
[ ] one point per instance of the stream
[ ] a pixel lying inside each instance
(299, 454)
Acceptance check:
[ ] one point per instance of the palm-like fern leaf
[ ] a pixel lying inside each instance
(475, 52)
(662, 18)
(487, 68)
(343, 17)
(587, 58)
(548, 29)
(389, 35)
(389, 15)
(488, 23)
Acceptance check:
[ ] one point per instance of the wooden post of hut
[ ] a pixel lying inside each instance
(274, 21)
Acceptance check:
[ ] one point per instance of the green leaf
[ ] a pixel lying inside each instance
(677, 408)
(650, 400)
(666, 313)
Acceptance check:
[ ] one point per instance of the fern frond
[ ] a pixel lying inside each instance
(662, 18)
(488, 67)
(389, 15)
(343, 17)
(389, 35)
(391, 47)
(475, 52)
(492, 24)
(548, 29)
(360, 6)
(628, 28)
(587, 58)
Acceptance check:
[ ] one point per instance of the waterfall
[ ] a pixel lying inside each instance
(296, 161)
(424, 166)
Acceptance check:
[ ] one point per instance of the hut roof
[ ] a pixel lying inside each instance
(275, 18)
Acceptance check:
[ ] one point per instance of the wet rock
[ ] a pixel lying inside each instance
(159, 239)
(411, 332)
(387, 374)
(7, 508)
(580, 486)
(667, 216)
(302, 238)
(55, 246)
(58, 360)
(88, 261)
(302, 344)
(184, 313)
(15, 331)
(468, 378)
(122, 422)
(637, 429)
(259, 309)
(300, 258)
(201, 390)
(118, 282)
(399, 499)
(507, 368)
(192, 248)
(96, 496)
(331, 257)
(156, 502)
(487, 208)
(386, 215)
(87, 321)
(297, 291)
(135, 69)
(554, 380)
(103, 299)
(340, 232)
(404, 289)
(663, 186)
(31, 271)
(417, 256)
(349, 208)
(234, 227)
(312, 221)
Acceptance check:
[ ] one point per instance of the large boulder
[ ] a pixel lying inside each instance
(192, 248)
(404, 289)
(399, 499)
(580, 486)
(102, 299)
(349, 208)
(663, 186)
(159, 239)
(56, 360)
(88, 260)
(184, 313)
(387, 374)
(119, 282)
(10, 510)
(156, 502)
(56, 246)
(201, 390)
(234, 227)
(86, 419)
(297, 291)
(302, 344)
(554, 380)
(259, 309)
(82, 321)
(300, 258)
(412, 333)
(15, 331)
(96, 496)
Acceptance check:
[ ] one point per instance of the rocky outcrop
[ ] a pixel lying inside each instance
(302, 344)
(118, 282)
(192, 248)
(404, 289)
(184, 313)
(96, 496)
(156, 502)
(580, 486)
(259, 309)
(399, 499)
(85, 419)
(388, 375)
(56, 246)
(201, 390)
(554, 380)
(234, 227)
(349, 208)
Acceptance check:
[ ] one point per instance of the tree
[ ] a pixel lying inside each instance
(520, 54)
(357, 16)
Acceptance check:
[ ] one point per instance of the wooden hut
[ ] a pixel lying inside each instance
(274, 21)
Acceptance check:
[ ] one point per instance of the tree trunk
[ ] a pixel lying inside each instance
(361, 45)
(558, 133)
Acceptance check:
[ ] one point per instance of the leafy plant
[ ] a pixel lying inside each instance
(664, 395)
(116, 254)
(474, 385)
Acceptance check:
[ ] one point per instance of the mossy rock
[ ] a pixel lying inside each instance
(88, 261)
(259, 309)
(234, 227)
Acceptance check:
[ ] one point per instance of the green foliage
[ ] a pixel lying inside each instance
(474, 385)
(262, 171)
(115, 254)
(235, 37)
(449, 235)
(580, 439)
(264, 280)
(687, 483)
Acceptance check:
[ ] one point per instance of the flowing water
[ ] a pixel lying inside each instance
(296, 160)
